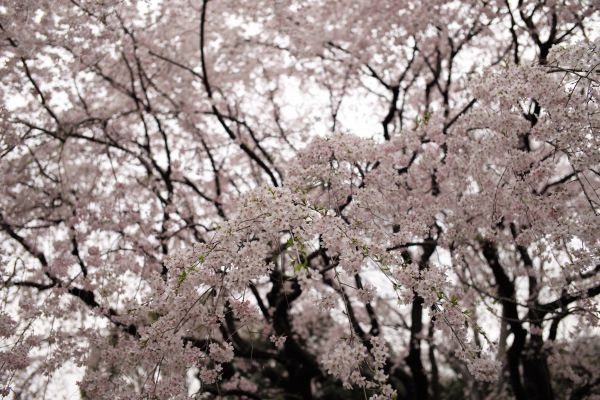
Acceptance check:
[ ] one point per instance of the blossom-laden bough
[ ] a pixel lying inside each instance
(308, 199)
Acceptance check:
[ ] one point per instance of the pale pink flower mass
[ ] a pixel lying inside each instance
(300, 199)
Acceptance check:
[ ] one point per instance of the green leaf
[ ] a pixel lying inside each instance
(365, 250)
(301, 265)
(153, 316)
(440, 294)
(181, 277)
(454, 300)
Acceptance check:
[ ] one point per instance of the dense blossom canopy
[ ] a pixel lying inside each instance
(301, 199)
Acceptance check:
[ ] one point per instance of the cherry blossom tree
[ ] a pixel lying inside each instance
(300, 199)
